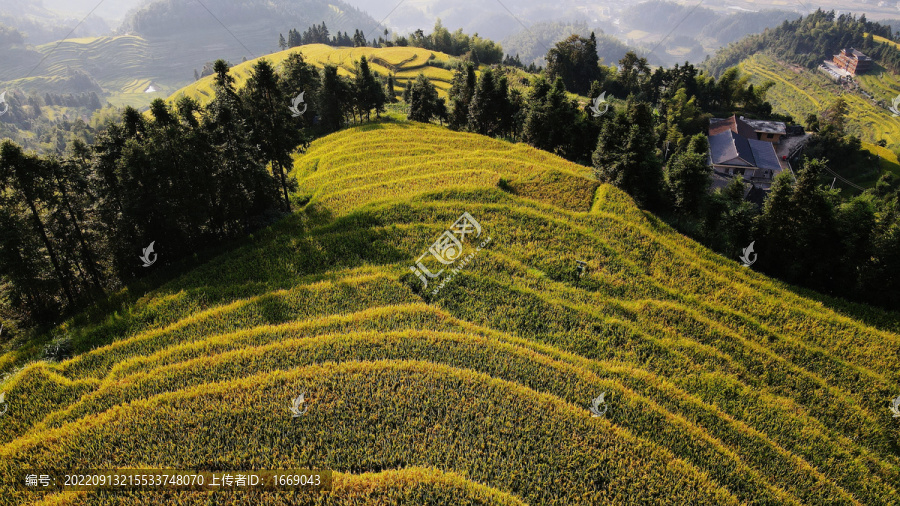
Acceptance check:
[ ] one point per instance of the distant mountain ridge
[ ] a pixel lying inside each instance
(256, 24)
(164, 41)
(41, 25)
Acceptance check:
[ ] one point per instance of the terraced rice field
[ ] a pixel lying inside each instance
(109, 60)
(879, 38)
(123, 66)
(721, 386)
(405, 62)
(800, 93)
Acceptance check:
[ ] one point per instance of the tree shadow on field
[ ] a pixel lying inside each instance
(302, 248)
(877, 317)
(378, 124)
(273, 309)
(874, 316)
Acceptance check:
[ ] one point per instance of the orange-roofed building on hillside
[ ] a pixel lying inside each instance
(853, 61)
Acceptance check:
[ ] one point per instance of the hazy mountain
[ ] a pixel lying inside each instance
(733, 27)
(676, 32)
(108, 10)
(162, 41)
(488, 19)
(41, 23)
(533, 43)
(681, 32)
(234, 27)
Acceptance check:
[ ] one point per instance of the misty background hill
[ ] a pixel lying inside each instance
(676, 32)
(159, 43)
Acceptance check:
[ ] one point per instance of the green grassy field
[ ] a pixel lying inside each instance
(722, 386)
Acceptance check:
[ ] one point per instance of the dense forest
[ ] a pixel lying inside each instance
(77, 116)
(809, 40)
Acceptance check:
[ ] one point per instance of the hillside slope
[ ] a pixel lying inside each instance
(722, 386)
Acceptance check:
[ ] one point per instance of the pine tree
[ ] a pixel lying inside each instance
(281, 43)
(550, 118)
(368, 92)
(797, 230)
(271, 125)
(461, 92)
(294, 38)
(424, 102)
(243, 186)
(335, 100)
(688, 176)
(490, 112)
(72, 189)
(26, 176)
(626, 155)
(389, 89)
(298, 77)
(22, 263)
(33, 101)
(359, 40)
(575, 60)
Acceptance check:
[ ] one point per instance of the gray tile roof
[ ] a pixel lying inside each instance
(723, 149)
(729, 148)
(764, 155)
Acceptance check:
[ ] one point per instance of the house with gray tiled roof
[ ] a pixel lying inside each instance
(736, 149)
